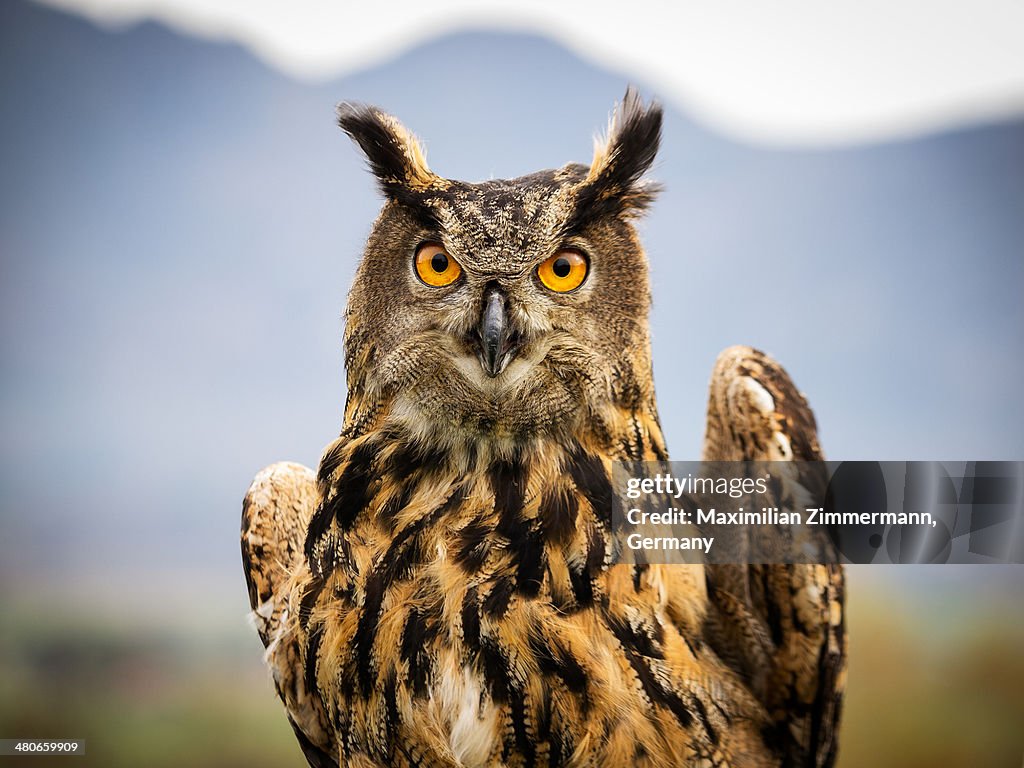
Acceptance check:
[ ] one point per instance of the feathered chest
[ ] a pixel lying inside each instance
(529, 527)
(465, 608)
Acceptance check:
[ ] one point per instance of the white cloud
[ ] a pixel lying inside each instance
(788, 72)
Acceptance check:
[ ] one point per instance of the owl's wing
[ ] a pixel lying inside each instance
(780, 626)
(275, 516)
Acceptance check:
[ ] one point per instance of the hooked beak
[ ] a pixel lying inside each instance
(497, 343)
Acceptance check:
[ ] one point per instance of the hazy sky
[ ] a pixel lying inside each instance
(791, 72)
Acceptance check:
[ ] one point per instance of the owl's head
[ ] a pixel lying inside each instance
(506, 309)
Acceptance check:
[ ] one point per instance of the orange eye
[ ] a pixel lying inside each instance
(435, 267)
(563, 272)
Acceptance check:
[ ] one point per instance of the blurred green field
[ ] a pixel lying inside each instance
(936, 673)
(936, 678)
(140, 696)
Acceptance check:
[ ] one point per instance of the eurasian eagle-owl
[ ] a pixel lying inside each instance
(440, 592)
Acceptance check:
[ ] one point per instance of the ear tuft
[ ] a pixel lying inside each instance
(393, 152)
(613, 184)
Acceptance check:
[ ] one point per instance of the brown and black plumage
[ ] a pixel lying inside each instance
(440, 594)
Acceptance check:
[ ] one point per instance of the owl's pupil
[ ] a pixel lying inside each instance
(439, 262)
(561, 267)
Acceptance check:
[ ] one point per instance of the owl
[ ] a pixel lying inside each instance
(440, 592)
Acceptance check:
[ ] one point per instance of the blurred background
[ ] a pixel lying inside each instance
(180, 220)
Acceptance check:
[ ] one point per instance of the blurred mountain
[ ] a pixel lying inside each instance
(179, 226)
